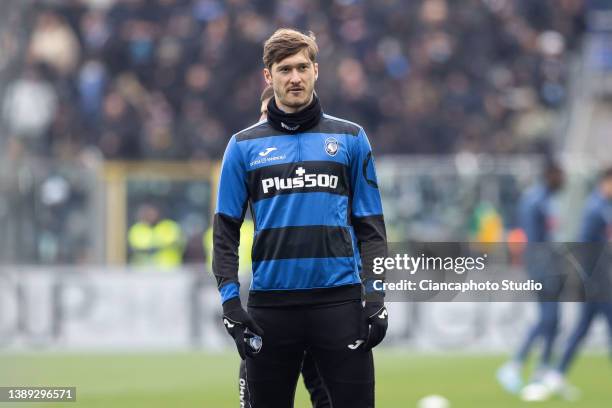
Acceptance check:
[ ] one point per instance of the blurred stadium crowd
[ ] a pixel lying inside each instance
(84, 80)
(173, 79)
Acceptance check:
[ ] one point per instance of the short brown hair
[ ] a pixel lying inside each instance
(266, 93)
(286, 42)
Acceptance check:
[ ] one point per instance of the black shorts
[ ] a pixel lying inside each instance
(330, 334)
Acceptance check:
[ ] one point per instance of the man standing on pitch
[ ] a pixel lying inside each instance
(538, 219)
(309, 179)
(595, 237)
(312, 379)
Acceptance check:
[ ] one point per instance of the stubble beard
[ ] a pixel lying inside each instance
(294, 103)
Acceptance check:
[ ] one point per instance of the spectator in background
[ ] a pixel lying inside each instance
(119, 131)
(54, 43)
(91, 84)
(155, 241)
(29, 107)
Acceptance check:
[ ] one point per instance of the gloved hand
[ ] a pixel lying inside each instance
(241, 327)
(376, 321)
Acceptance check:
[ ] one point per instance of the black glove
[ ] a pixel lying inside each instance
(242, 328)
(376, 320)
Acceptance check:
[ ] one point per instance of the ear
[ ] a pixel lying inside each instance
(316, 70)
(267, 76)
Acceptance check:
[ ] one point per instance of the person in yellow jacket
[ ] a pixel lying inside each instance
(154, 241)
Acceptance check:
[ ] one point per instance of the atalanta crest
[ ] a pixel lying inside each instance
(331, 146)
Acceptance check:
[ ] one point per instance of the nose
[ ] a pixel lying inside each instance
(295, 77)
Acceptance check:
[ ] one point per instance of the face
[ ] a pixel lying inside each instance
(606, 187)
(293, 80)
(555, 180)
(263, 110)
(149, 214)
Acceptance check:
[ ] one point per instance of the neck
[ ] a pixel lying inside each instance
(293, 109)
(297, 120)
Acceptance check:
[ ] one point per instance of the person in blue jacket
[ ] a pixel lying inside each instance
(312, 379)
(537, 218)
(310, 183)
(595, 236)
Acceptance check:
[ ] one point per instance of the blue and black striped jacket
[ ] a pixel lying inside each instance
(316, 207)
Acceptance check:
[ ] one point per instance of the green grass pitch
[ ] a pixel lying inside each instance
(209, 380)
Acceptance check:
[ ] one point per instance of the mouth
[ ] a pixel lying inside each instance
(296, 90)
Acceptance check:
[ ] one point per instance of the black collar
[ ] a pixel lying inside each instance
(296, 122)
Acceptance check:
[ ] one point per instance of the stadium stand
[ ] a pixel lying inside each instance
(172, 79)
